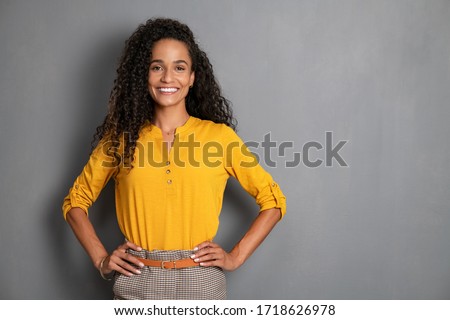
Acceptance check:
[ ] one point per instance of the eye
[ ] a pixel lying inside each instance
(156, 68)
(180, 68)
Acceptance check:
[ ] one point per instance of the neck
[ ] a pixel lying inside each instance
(168, 119)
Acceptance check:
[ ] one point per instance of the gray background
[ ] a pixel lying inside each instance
(375, 73)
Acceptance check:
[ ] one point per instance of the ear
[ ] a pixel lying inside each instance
(192, 79)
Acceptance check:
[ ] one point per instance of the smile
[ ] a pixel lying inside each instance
(168, 90)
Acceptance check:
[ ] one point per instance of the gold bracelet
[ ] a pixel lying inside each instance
(101, 267)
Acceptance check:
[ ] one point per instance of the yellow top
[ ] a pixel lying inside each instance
(172, 200)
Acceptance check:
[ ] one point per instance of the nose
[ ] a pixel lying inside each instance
(166, 76)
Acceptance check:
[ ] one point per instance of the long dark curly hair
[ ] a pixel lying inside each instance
(130, 104)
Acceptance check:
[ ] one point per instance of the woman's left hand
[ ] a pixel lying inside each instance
(210, 254)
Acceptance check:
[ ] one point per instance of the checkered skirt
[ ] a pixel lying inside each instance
(193, 283)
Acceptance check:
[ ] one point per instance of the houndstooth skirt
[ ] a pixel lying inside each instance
(194, 283)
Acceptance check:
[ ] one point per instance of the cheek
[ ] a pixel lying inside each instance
(149, 79)
(151, 83)
(187, 80)
(151, 89)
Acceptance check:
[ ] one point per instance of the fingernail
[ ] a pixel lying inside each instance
(196, 260)
(139, 248)
(141, 265)
(138, 271)
(193, 256)
(196, 249)
(202, 264)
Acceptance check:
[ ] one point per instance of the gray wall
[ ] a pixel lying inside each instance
(374, 73)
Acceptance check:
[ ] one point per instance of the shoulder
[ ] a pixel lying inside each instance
(208, 124)
(213, 130)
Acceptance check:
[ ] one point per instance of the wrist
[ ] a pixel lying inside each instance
(107, 276)
(237, 259)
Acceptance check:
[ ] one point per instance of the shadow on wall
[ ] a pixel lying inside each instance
(76, 276)
(238, 212)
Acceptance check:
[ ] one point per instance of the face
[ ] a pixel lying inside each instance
(170, 74)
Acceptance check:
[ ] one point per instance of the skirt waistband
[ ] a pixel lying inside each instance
(162, 255)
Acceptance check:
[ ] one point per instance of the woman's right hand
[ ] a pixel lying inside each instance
(121, 261)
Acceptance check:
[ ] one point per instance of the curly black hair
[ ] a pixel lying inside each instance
(130, 103)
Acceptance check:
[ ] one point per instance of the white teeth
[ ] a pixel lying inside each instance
(168, 89)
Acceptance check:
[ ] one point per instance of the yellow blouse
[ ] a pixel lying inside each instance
(172, 200)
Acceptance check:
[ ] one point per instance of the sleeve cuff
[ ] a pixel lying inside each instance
(70, 202)
(278, 200)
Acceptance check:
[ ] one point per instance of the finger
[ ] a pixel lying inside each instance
(129, 259)
(131, 245)
(134, 260)
(120, 257)
(204, 247)
(206, 251)
(201, 252)
(123, 266)
(205, 244)
(122, 248)
(121, 253)
(223, 262)
(209, 257)
(124, 271)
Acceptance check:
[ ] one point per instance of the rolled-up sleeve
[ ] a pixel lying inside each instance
(243, 165)
(92, 179)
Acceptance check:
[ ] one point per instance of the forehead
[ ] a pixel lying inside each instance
(170, 50)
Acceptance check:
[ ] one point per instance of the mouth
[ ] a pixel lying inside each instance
(168, 90)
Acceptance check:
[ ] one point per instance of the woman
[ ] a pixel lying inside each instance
(169, 143)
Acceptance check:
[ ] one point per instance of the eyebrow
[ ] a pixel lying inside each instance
(161, 61)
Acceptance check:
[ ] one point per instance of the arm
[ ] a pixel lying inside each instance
(211, 254)
(241, 164)
(86, 235)
(85, 190)
(118, 261)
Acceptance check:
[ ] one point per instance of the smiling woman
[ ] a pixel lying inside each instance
(165, 97)
(170, 75)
